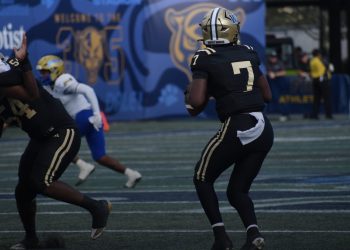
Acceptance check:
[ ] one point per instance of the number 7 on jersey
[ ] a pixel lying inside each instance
(237, 66)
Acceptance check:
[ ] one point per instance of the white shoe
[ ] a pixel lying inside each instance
(85, 170)
(133, 178)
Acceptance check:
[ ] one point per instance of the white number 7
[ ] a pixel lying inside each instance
(237, 66)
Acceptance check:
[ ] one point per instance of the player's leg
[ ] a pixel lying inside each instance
(237, 191)
(317, 99)
(216, 157)
(246, 169)
(327, 98)
(99, 209)
(96, 142)
(85, 168)
(25, 199)
(55, 155)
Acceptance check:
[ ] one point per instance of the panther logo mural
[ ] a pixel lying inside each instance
(90, 51)
(185, 32)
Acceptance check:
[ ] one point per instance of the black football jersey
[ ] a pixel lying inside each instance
(38, 118)
(10, 72)
(232, 73)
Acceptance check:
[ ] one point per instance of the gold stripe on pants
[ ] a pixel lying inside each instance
(212, 145)
(57, 158)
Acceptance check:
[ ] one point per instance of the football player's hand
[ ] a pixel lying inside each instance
(21, 53)
(96, 121)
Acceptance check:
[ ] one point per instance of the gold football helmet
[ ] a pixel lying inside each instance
(220, 26)
(53, 64)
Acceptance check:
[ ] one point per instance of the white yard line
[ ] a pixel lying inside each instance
(179, 231)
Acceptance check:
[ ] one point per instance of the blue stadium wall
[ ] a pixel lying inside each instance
(134, 53)
(293, 95)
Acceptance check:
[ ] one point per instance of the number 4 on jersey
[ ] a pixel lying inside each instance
(20, 109)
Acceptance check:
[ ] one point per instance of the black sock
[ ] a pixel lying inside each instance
(252, 233)
(209, 200)
(219, 232)
(89, 203)
(28, 218)
(26, 207)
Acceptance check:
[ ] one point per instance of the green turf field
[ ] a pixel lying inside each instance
(302, 195)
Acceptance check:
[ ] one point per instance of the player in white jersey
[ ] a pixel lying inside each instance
(86, 100)
(81, 103)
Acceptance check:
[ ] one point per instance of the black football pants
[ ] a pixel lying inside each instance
(42, 162)
(223, 150)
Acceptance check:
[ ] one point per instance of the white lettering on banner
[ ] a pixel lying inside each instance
(10, 38)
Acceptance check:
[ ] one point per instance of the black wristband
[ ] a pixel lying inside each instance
(26, 65)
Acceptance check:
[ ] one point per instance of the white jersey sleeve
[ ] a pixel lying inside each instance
(66, 84)
(65, 88)
(90, 95)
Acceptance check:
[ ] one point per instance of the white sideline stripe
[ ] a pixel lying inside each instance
(301, 190)
(259, 202)
(178, 231)
(175, 134)
(198, 211)
(283, 201)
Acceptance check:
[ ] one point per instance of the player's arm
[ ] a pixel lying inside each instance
(26, 91)
(262, 82)
(67, 84)
(196, 93)
(90, 95)
(264, 86)
(29, 81)
(196, 96)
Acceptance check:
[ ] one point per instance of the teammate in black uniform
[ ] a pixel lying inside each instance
(54, 142)
(230, 73)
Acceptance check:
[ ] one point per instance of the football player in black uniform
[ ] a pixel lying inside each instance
(54, 142)
(229, 73)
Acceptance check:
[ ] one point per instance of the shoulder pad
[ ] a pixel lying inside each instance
(207, 51)
(247, 46)
(65, 79)
(199, 58)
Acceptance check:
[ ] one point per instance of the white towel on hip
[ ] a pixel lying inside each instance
(253, 133)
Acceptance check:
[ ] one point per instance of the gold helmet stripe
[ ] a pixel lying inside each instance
(214, 16)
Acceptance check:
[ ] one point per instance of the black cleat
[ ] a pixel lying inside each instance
(54, 241)
(225, 244)
(257, 244)
(27, 243)
(99, 218)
